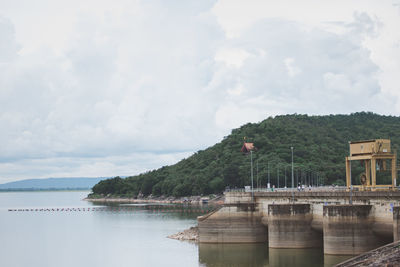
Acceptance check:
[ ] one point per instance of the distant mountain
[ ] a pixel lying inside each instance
(52, 183)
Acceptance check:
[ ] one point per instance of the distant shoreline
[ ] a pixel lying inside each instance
(132, 200)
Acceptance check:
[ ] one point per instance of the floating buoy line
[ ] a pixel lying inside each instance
(149, 208)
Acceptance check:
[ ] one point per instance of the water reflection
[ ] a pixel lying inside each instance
(330, 260)
(218, 255)
(296, 257)
(175, 210)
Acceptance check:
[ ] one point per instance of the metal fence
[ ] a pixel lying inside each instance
(283, 189)
(303, 189)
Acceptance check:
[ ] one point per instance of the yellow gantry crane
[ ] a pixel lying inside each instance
(374, 154)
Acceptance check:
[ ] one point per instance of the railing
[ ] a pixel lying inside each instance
(283, 189)
(311, 189)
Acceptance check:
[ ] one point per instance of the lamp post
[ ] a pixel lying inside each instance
(277, 173)
(269, 182)
(257, 173)
(285, 177)
(292, 177)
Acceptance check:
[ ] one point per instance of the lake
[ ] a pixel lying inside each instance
(126, 235)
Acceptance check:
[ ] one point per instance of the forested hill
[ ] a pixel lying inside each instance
(320, 146)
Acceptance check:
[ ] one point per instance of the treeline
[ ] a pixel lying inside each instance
(320, 146)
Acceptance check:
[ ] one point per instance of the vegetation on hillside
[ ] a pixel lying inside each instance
(320, 146)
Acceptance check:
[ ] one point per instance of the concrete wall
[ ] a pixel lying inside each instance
(289, 226)
(348, 230)
(232, 224)
(396, 223)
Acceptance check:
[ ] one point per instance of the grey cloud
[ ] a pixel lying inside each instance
(331, 70)
(364, 24)
(8, 44)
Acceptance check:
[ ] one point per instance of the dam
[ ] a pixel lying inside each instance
(342, 222)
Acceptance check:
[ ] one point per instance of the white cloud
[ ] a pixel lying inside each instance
(232, 57)
(93, 89)
(237, 91)
(291, 67)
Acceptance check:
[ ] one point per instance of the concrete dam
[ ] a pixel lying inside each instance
(341, 222)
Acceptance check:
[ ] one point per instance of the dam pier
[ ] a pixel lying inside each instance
(341, 222)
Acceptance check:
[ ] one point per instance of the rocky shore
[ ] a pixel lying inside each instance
(388, 256)
(191, 234)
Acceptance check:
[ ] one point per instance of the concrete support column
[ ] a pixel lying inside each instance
(232, 224)
(348, 230)
(396, 224)
(289, 226)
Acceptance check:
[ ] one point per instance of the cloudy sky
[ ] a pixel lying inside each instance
(105, 88)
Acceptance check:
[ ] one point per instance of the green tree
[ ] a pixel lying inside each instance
(320, 146)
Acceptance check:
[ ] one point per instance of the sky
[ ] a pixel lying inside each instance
(94, 88)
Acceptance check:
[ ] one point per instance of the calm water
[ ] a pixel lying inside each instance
(119, 238)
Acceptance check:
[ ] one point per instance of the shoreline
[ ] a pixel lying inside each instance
(219, 200)
(134, 200)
